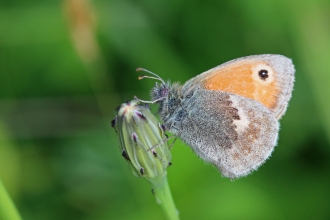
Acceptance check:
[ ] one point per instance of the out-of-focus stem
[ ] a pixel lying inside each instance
(82, 21)
(8, 210)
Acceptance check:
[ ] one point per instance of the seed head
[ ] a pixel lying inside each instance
(142, 140)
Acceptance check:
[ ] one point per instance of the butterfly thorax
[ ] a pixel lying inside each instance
(169, 98)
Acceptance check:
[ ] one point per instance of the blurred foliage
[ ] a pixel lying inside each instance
(65, 65)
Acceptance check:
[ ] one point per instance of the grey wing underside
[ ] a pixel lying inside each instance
(234, 133)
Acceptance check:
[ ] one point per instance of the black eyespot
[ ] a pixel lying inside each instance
(263, 74)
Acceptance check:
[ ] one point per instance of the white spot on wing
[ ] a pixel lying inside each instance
(243, 122)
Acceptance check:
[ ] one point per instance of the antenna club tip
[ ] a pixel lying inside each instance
(139, 69)
(141, 77)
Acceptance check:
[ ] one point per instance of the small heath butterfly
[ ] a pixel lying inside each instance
(229, 114)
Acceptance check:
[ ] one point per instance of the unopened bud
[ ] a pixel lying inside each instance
(142, 140)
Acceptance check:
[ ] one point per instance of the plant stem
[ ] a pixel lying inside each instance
(163, 195)
(8, 210)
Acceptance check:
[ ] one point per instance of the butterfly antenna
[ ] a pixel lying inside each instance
(149, 102)
(150, 77)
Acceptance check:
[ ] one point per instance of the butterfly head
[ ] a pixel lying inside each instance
(166, 94)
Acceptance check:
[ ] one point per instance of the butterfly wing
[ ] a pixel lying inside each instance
(266, 78)
(233, 111)
(234, 133)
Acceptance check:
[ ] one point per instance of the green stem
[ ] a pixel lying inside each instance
(8, 210)
(163, 195)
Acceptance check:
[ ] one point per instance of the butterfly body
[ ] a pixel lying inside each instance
(229, 114)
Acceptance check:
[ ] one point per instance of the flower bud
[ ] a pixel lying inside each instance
(142, 140)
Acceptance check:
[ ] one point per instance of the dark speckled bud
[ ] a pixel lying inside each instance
(142, 140)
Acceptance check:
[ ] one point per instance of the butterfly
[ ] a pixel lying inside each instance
(229, 115)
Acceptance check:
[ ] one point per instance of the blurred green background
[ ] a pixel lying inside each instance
(66, 65)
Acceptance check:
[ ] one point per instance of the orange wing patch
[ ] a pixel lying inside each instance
(255, 80)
